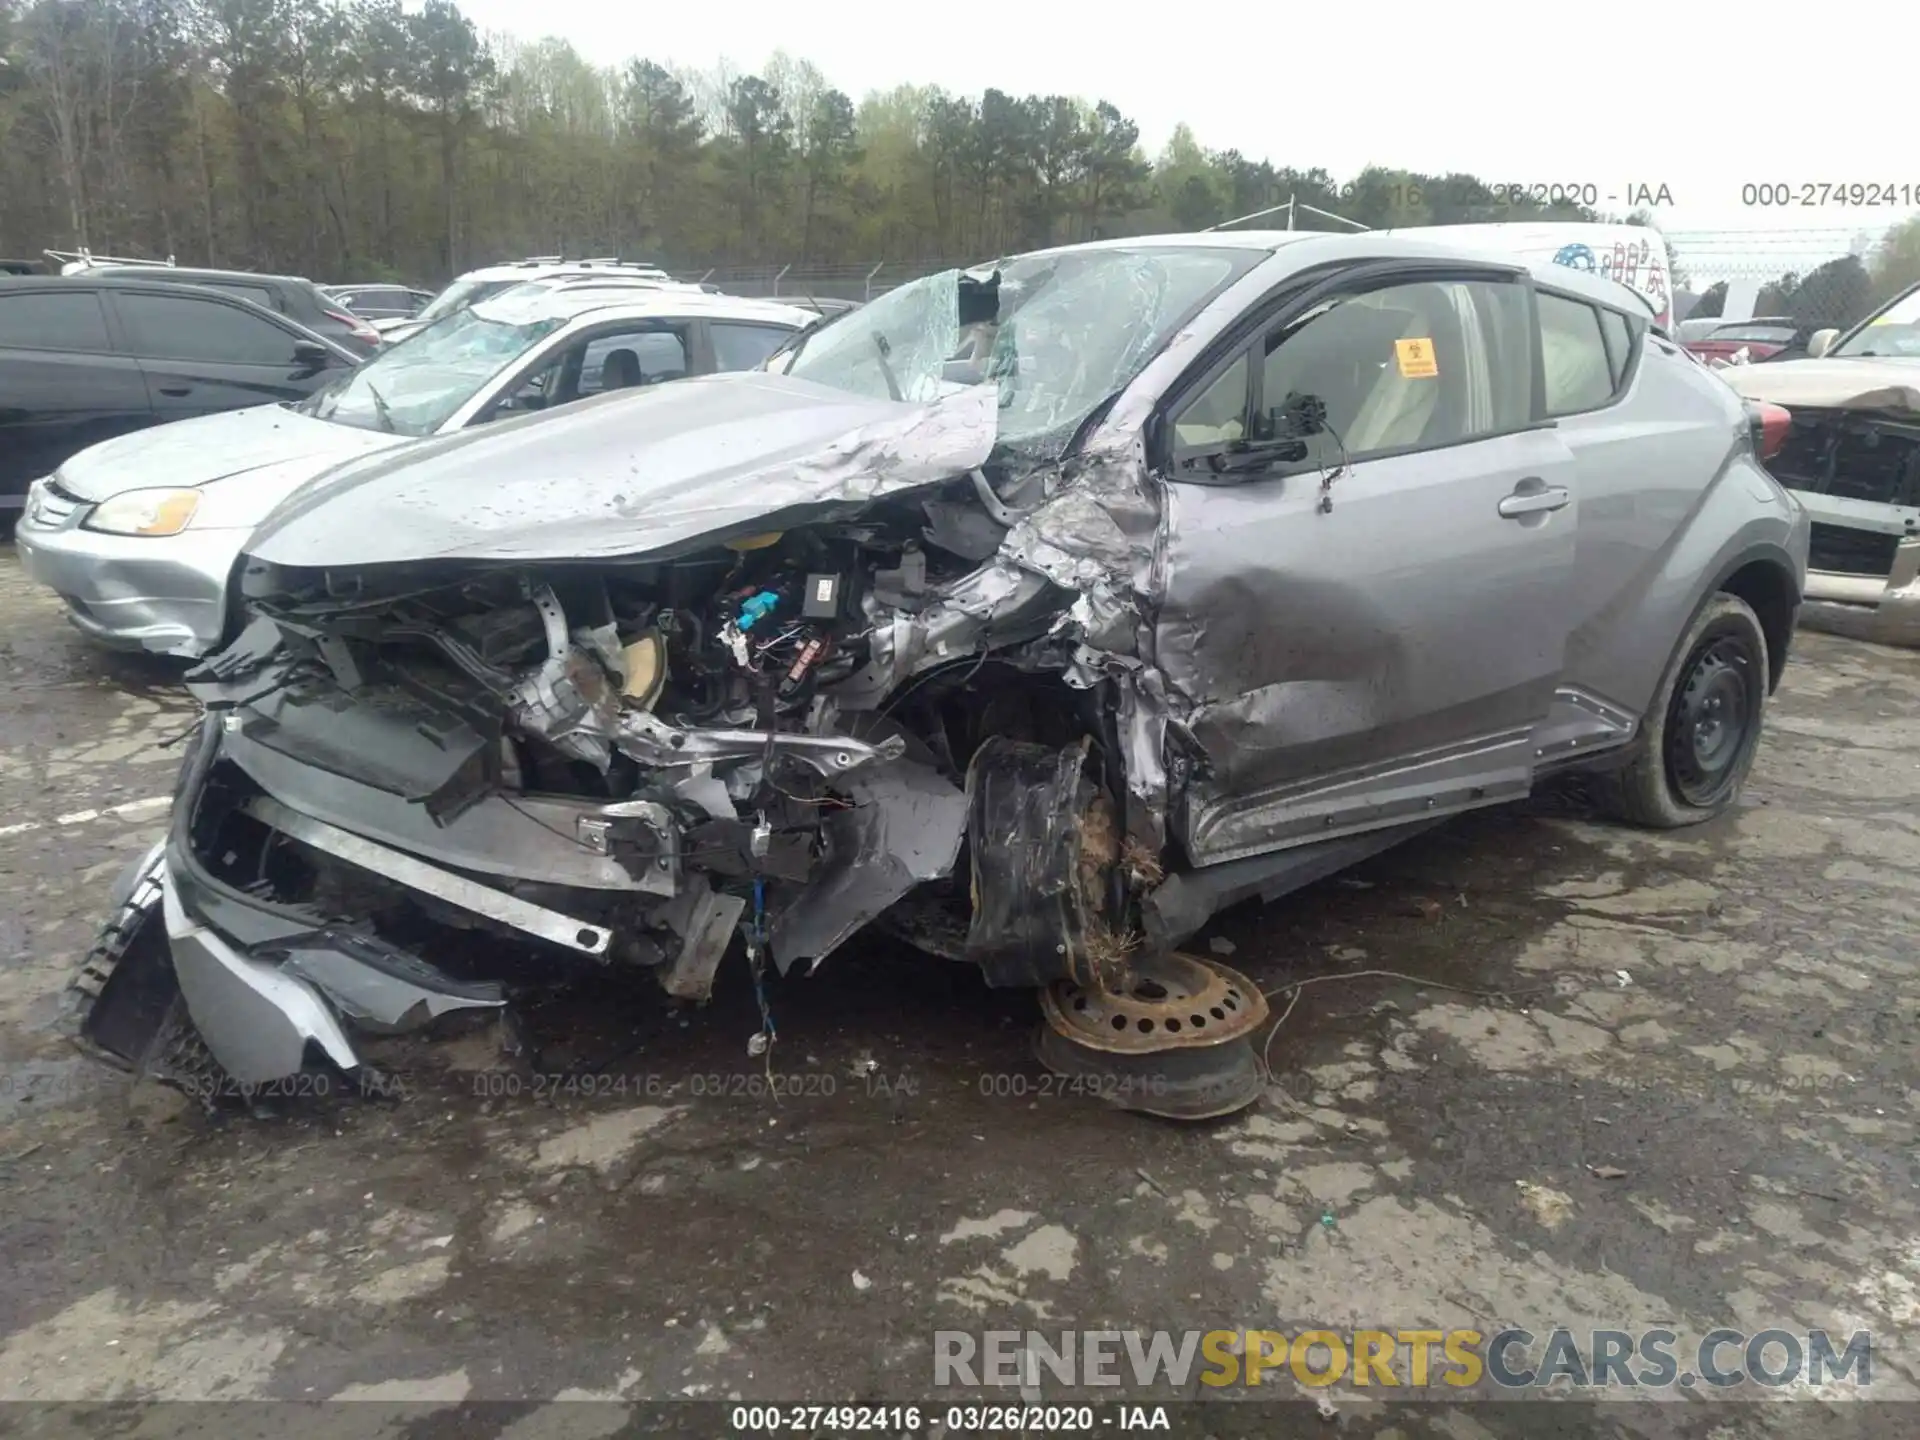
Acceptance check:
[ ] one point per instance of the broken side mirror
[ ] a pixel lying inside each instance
(1820, 342)
(1296, 417)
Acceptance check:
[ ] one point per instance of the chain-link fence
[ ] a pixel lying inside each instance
(1807, 279)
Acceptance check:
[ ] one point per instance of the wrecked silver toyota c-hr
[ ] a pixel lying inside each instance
(1032, 614)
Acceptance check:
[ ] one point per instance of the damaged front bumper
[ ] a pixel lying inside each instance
(271, 986)
(266, 984)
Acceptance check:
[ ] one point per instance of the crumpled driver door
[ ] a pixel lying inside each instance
(1365, 559)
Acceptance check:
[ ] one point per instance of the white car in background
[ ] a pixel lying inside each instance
(477, 285)
(139, 535)
(1852, 460)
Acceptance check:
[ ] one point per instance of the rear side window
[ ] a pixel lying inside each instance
(742, 347)
(644, 357)
(1573, 353)
(70, 321)
(1618, 332)
(185, 327)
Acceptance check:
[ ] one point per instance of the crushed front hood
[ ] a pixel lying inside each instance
(213, 447)
(630, 474)
(1866, 383)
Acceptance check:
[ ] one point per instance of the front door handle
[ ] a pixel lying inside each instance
(176, 391)
(1532, 496)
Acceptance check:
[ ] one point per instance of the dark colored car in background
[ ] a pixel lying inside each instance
(1762, 338)
(86, 357)
(381, 302)
(299, 300)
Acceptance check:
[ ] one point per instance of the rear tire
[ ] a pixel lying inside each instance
(1703, 725)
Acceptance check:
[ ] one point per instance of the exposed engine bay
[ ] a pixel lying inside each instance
(649, 756)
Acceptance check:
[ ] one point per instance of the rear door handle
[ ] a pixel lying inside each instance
(1532, 497)
(176, 391)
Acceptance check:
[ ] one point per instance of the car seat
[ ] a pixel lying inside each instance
(620, 370)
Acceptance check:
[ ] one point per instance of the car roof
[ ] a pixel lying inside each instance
(135, 281)
(638, 302)
(1330, 245)
(118, 280)
(1268, 240)
(188, 272)
(537, 269)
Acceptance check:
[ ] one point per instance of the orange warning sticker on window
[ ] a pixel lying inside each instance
(1416, 358)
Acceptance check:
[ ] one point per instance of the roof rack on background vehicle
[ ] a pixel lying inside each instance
(613, 260)
(72, 261)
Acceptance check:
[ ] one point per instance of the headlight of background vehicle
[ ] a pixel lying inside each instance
(145, 512)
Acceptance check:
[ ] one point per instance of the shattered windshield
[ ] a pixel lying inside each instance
(1894, 331)
(415, 387)
(1056, 333)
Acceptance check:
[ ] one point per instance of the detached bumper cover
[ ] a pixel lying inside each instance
(261, 982)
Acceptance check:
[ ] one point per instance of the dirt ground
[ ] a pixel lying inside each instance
(1690, 1105)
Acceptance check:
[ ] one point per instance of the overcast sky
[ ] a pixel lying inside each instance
(1702, 96)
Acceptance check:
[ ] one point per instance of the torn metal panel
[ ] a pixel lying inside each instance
(706, 921)
(571, 700)
(530, 837)
(382, 990)
(996, 605)
(256, 1019)
(904, 828)
(653, 742)
(1045, 850)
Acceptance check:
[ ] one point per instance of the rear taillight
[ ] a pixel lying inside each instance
(1771, 424)
(360, 329)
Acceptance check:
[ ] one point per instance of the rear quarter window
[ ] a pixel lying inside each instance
(1574, 356)
(1620, 334)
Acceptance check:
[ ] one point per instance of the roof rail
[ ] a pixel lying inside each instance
(72, 261)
